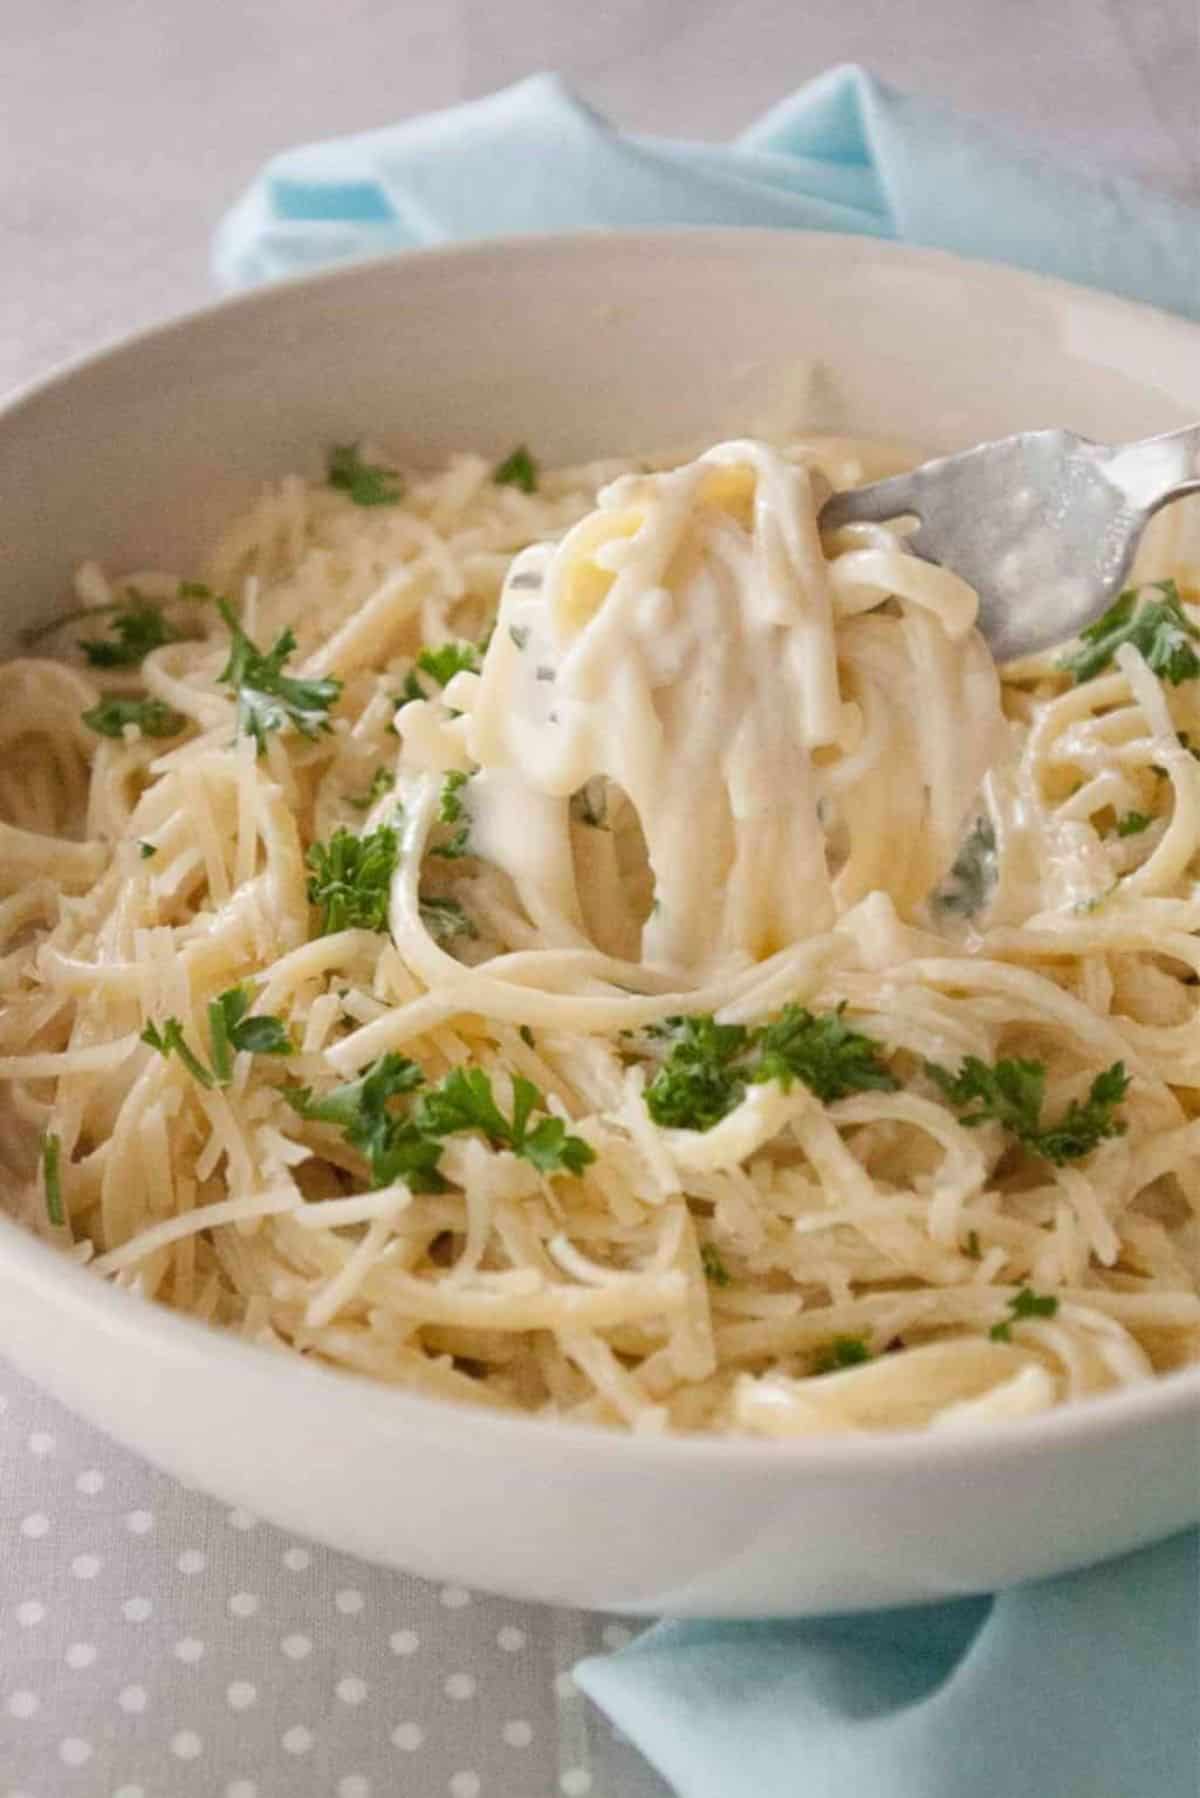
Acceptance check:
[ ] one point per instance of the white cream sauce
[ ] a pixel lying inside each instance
(681, 642)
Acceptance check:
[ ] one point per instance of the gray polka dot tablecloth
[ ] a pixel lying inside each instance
(156, 1644)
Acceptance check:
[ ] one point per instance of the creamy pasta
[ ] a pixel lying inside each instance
(588, 943)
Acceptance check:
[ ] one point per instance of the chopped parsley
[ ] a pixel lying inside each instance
(1026, 1304)
(703, 1076)
(170, 1040)
(821, 1050)
(366, 483)
(52, 1177)
(408, 1145)
(710, 1065)
(382, 781)
(1159, 628)
(1133, 824)
(350, 879)
(450, 811)
(392, 1146)
(146, 850)
(445, 919)
(968, 886)
(843, 1351)
(526, 1035)
(231, 1032)
(137, 629)
(517, 470)
(267, 698)
(464, 1101)
(715, 1270)
(1012, 1092)
(152, 717)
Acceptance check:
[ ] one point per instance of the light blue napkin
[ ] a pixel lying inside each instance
(845, 153)
(1084, 1687)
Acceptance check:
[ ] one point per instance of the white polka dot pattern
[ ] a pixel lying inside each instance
(153, 1641)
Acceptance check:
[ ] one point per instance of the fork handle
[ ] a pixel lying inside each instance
(1158, 469)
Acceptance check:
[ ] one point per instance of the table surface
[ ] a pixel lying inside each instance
(151, 1641)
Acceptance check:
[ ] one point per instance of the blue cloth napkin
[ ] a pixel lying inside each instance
(845, 153)
(1083, 1687)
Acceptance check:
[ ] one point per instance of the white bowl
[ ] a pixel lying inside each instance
(579, 346)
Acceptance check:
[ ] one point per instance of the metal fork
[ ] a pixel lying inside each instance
(1043, 525)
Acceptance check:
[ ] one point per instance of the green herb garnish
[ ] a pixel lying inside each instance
(450, 811)
(408, 1145)
(710, 1065)
(146, 850)
(1011, 1093)
(232, 1032)
(170, 1040)
(138, 628)
(393, 1146)
(445, 919)
(464, 1101)
(703, 1077)
(382, 781)
(821, 1050)
(152, 717)
(517, 470)
(715, 1270)
(452, 658)
(843, 1351)
(1026, 1304)
(1133, 823)
(351, 879)
(267, 698)
(1159, 628)
(366, 483)
(52, 1178)
(968, 886)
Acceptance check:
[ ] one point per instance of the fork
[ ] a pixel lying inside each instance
(1043, 525)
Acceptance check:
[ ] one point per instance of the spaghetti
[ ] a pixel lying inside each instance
(626, 957)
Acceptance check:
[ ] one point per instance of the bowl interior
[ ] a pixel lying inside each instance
(584, 346)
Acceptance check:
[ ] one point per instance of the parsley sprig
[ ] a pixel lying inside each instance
(713, 1263)
(452, 811)
(152, 717)
(445, 919)
(267, 698)
(52, 1177)
(408, 1145)
(351, 879)
(710, 1065)
(138, 628)
(843, 1351)
(382, 781)
(365, 483)
(1132, 824)
(230, 1032)
(441, 665)
(1159, 628)
(1012, 1093)
(517, 470)
(1026, 1304)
